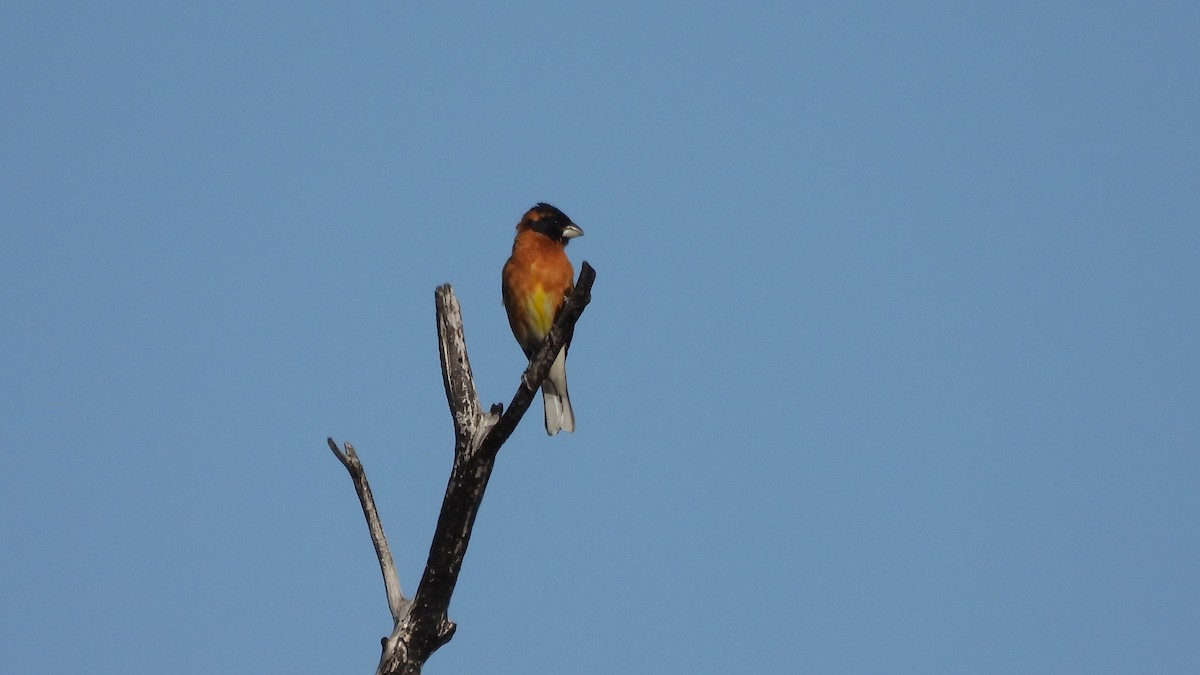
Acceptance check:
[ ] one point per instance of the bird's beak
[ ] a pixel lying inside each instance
(571, 231)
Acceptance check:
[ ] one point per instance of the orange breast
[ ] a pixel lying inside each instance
(536, 279)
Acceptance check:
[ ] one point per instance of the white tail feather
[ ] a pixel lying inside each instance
(559, 415)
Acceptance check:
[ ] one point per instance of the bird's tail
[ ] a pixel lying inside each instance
(554, 395)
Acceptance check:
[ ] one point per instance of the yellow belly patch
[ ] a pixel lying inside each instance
(540, 306)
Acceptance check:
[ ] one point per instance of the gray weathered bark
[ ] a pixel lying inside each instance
(421, 624)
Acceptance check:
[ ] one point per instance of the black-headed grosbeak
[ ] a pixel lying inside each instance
(535, 282)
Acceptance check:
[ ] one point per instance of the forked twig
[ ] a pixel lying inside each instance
(422, 625)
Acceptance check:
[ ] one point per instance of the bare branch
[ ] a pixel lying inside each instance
(397, 603)
(469, 420)
(456, 367)
(473, 468)
(422, 625)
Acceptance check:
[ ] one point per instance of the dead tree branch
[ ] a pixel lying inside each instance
(397, 603)
(422, 624)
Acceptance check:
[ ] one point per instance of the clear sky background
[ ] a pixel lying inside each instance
(892, 366)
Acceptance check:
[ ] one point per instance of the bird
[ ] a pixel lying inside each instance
(535, 283)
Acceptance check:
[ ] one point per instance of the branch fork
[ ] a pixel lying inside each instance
(421, 624)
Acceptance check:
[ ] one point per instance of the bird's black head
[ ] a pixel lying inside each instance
(547, 220)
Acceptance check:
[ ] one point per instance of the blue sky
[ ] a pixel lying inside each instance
(891, 364)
